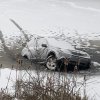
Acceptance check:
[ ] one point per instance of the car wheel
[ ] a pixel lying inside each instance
(51, 63)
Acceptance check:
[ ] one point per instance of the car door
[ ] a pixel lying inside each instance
(31, 49)
(41, 48)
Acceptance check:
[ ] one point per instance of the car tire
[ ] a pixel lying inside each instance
(51, 63)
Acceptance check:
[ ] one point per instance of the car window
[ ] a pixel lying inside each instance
(59, 43)
(41, 41)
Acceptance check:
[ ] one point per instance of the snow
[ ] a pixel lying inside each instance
(96, 64)
(60, 43)
(72, 21)
(36, 15)
(98, 52)
(93, 88)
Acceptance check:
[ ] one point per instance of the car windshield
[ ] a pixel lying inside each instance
(59, 43)
(41, 41)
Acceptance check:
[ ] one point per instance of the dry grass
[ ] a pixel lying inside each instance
(44, 88)
(37, 91)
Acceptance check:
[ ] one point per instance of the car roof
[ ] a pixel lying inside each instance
(55, 42)
(59, 43)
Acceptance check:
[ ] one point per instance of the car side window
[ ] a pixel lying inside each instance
(41, 41)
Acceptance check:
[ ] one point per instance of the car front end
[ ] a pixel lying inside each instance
(75, 58)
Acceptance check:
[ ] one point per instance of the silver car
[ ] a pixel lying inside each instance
(56, 53)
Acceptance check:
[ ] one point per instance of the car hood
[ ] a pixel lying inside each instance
(60, 53)
(80, 53)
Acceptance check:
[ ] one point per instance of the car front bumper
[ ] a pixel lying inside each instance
(70, 64)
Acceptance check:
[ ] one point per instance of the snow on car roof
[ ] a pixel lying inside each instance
(54, 42)
(59, 43)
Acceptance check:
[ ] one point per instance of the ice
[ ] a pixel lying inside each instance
(96, 64)
(98, 52)
(35, 15)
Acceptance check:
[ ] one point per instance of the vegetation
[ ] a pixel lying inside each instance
(49, 86)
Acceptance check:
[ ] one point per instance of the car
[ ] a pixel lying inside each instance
(55, 53)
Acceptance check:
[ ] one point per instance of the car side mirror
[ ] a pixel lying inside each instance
(44, 45)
